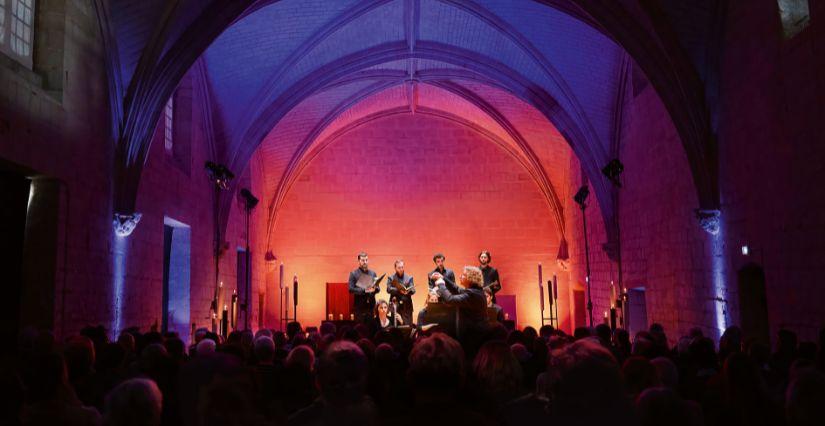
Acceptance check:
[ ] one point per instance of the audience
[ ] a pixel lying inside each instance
(344, 375)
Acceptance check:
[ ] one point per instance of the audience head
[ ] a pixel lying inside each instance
(805, 399)
(436, 365)
(80, 356)
(546, 331)
(205, 347)
(342, 374)
(666, 371)
(497, 371)
(292, 329)
(264, 349)
(135, 402)
(328, 328)
(662, 406)
(302, 358)
(639, 374)
(584, 376)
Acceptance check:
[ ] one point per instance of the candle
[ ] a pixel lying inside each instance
(281, 276)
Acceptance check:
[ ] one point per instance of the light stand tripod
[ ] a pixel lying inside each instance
(250, 201)
(580, 198)
(220, 176)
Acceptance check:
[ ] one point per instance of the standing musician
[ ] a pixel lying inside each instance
(364, 297)
(441, 271)
(491, 280)
(403, 296)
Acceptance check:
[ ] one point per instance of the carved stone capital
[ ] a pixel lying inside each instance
(124, 224)
(709, 220)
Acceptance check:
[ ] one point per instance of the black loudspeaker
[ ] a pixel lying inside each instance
(295, 290)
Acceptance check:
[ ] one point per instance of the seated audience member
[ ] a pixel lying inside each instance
(805, 399)
(436, 375)
(135, 402)
(585, 386)
(51, 397)
(342, 381)
(659, 406)
(639, 374)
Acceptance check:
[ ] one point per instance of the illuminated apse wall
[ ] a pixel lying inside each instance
(407, 186)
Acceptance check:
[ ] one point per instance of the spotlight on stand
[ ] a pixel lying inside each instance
(219, 174)
(613, 170)
(250, 201)
(581, 196)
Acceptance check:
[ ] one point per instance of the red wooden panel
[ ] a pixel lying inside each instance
(339, 301)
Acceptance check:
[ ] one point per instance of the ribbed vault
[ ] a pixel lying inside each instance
(288, 76)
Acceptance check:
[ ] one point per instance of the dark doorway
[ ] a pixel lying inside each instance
(14, 196)
(637, 310)
(579, 309)
(753, 303)
(240, 321)
(176, 277)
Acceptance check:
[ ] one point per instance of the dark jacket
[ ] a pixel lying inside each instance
(404, 300)
(364, 302)
(471, 303)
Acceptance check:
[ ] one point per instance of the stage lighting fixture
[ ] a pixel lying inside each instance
(219, 174)
(249, 200)
(581, 196)
(612, 170)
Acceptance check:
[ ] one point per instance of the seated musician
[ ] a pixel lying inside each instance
(432, 297)
(490, 304)
(470, 300)
(383, 317)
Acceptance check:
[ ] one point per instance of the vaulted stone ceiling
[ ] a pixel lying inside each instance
(290, 74)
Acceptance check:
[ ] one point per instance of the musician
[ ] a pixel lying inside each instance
(432, 297)
(490, 274)
(403, 297)
(383, 317)
(442, 271)
(364, 298)
(470, 300)
(490, 304)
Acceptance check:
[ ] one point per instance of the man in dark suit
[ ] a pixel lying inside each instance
(403, 298)
(442, 271)
(364, 303)
(470, 300)
(491, 279)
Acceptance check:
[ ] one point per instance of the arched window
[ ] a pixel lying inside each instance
(795, 16)
(17, 30)
(168, 122)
